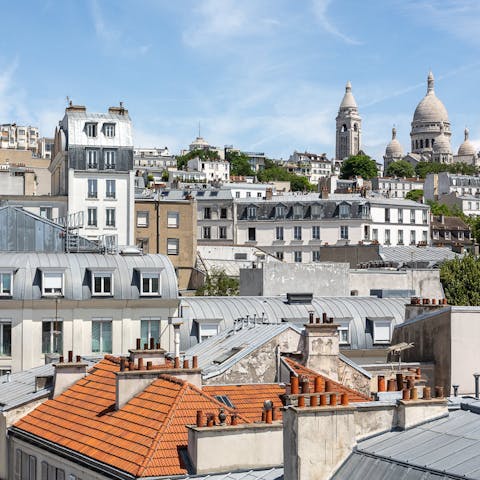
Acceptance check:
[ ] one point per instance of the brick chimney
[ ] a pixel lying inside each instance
(321, 347)
(68, 373)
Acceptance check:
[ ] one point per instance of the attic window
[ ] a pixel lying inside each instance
(225, 400)
(52, 283)
(382, 328)
(226, 355)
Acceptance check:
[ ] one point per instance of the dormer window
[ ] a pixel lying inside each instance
(150, 284)
(109, 130)
(344, 210)
(6, 278)
(110, 159)
(52, 283)
(279, 211)
(102, 283)
(91, 129)
(252, 212)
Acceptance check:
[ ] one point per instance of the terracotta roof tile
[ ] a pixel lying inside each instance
(302, 371)
(143, 438)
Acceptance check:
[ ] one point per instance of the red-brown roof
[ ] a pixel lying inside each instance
(248, 398)
(142, 438)
(302, 371)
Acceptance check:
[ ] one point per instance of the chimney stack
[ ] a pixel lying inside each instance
(67, 373)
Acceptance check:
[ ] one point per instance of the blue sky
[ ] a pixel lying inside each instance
(263, 75)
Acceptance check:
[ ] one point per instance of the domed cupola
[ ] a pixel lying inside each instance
(394, 148)
(442, 144)
(467, 147)
(430, 108)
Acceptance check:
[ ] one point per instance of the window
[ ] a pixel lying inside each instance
(223, 213)
(249, 194)
(387, 237)
(252, 212)
(280, 211)
(297, 211)
(344, 232)
(387, 215)
(237, 194)
(424, 217)
(316, 256)
(6, 283)
(344, 210)
(172, 219)
(92, 217)
(149, 328)
(5, 337)
(207, 330)
(447, 235)
(316, 232)
(142, 219)
(400, 237)
(92, 188)
(381, 331)
(92, 158)
(251, 234)
(297, 256)
(343, 332)
(52, 283)
(46, 212)
(110, 189)
(52, 336)
(25, 466)
(207, 214)
(102, 335)
(102, 283)
(412, 216)
(297, 233)
(109, 156)
(110, 217)
(150, 283)
(109, 129)
(206, 232)
(400, 215)
(259, 194)
(375, 234)
(222, 232)
(91, 129)
(413, 237)
(279, 233)
(279, 255)
(172, 246)
(425, 236)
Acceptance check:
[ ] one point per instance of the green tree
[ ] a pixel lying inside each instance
(165, 176)
(415, 195)
(219, 284)
(443, 209)
(359, 165)
(400, 168)
(422, 169)
(202, 154)
(300, 184)
(459, 279)
(239, 164)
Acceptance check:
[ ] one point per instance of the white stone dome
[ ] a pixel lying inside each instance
(442, 144)
(348, 100)
(394, 148)
(430, 108)
(467, 147)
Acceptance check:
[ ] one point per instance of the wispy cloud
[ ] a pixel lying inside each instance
(113, 40)
(320, 8)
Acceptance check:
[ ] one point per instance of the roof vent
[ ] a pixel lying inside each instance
(302, 298)
(131, 250)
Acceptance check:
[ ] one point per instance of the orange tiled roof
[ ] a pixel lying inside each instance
(142, 438)
(248, 398)
(302, 371)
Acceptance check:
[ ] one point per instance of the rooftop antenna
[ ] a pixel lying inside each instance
(69, 102)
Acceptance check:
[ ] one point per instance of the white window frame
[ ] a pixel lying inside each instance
(149, 321)
(316, 256)
(297, 256)
(173, 219)
(110, 217)
(109, 191)
(344, 232)
(4, 322)
(110, 159)
(92, 188)
(102, 321)
(102, 275)
(150, 276)
(4, 273)
(91, 129)
(94, 216)
(173, 246)
(279, 233)
(109, 130)
(343, 326)
(297, 232)
(380, 325)
(52, 322)
(92, 158)
(46, 212)
(53, 274)
(143, 215)
(316, 232)
(205, 331)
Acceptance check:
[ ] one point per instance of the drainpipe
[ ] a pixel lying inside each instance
(157, 203)
(477, 377)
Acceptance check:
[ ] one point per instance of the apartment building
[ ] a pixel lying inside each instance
(158, 158)
(215, 170)
(294, 227)
(169, 226)
(93, 166)
(395, 187)
(310, 165)
(19, 137)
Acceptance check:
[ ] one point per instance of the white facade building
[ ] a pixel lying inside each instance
(215, 170)
(19, 137)
(93, 166)
(311, 165)
(249, 190)
(395, 187)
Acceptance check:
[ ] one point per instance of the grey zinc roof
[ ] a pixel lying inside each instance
(443, 448)
(27, 268)
(264, 474)
(407, 253)
(245, 337)
(225, 310)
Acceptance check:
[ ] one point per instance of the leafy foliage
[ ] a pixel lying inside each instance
(202, 154)
(358, 165)
(443, 209)
(274, 172)
(218, 284)
(459, 278)
(422, 169)
(415, 195)
(239, 164)
(400, 168)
